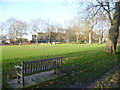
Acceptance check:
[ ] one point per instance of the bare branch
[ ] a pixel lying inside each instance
(107, 10)
(97, 11)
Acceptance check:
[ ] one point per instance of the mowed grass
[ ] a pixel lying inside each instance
(80, 62)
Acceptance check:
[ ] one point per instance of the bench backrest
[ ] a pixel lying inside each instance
(29, 67)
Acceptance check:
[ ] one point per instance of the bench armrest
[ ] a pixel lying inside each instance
(18, 67)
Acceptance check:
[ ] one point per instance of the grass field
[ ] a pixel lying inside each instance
(80, 62)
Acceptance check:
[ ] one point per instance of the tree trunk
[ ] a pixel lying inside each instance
(100, 40)
(59, 37)
(20, 43)
(90, 37)
(114, 30)
(36, 42)
(101, 37)
(85, 40)
(77, 38)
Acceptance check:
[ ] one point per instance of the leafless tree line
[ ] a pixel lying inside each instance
(77, 31)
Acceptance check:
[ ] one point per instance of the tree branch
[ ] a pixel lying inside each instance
(107, 10)
(97, 11)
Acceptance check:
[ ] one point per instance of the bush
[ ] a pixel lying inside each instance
(58, 43)
(73, 42)
(80, 42)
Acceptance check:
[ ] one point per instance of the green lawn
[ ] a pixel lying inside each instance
(80, 62)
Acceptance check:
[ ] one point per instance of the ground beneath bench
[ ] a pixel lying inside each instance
(34, 79)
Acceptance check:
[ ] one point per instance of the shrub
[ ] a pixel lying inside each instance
(80, 42)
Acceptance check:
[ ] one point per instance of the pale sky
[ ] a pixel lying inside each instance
(56, 10)
(60, 11)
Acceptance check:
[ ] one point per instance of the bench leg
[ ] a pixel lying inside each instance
(18, 77)
(22, 81)
(57, 70)
(54, 70)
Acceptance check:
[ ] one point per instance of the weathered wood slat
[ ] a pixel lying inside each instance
(26, 68)
(48, 64)
(43, 65)
(20, 80)
(43, 59)
(22, 73)
(60, 61)
(35, 66)
(19, 74)
(30, 67)
(38, 66)
(51, 62)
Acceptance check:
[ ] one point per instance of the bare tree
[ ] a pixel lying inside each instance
(2, 26)
(114, 29)
(78, 29)
(12, 32)
(37, 25)
(52, 28)
(17, 29)
(71, 34)
(22, 28)
(112, 10)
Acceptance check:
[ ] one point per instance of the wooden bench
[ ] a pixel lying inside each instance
(32, 67)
